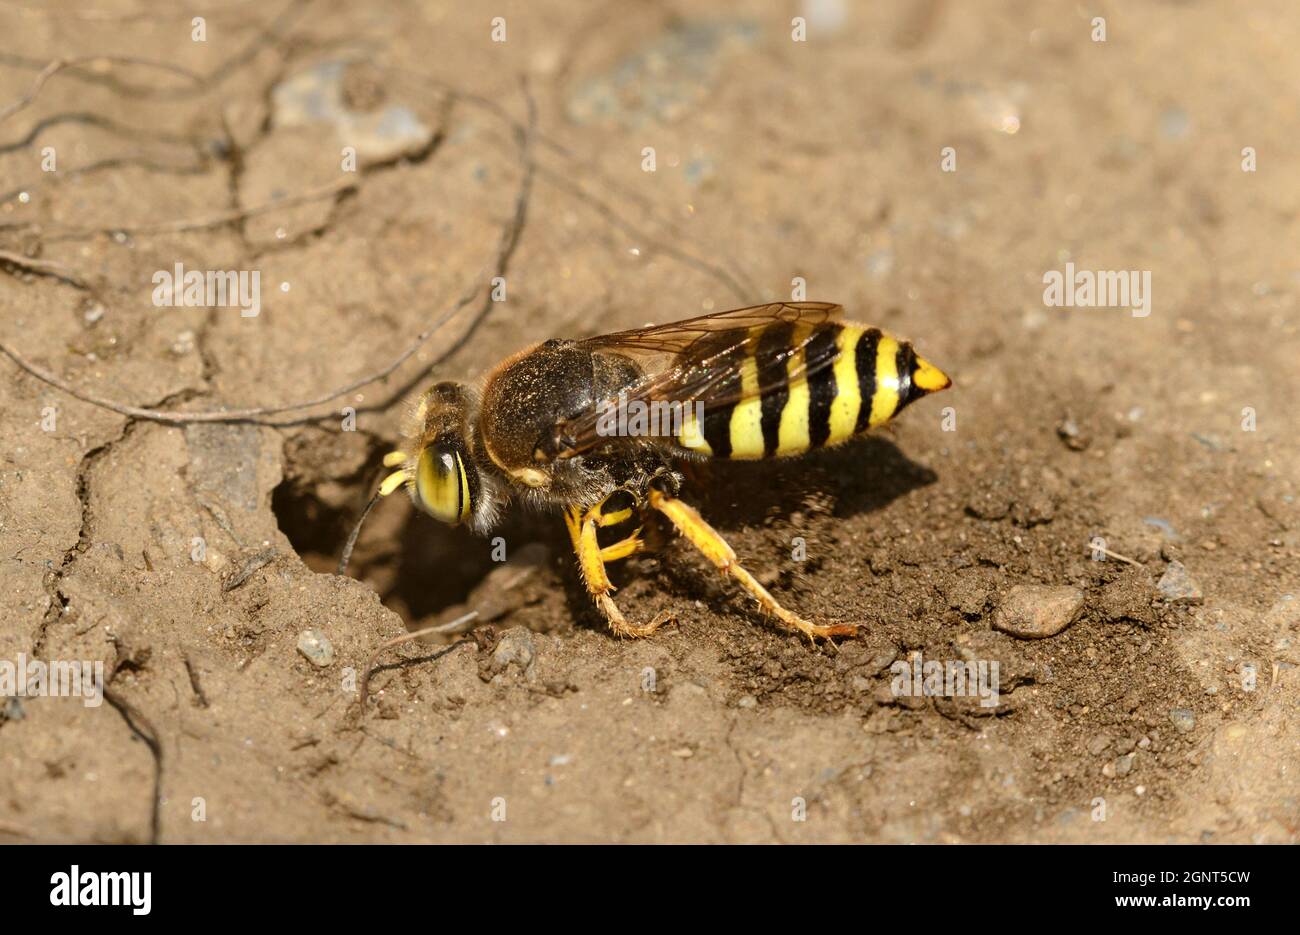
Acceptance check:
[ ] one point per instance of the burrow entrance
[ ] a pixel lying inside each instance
(417, 566)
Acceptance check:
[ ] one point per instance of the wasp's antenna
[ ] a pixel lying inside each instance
(391, 483)
(356, 531)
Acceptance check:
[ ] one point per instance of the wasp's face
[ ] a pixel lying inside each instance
(442, 474)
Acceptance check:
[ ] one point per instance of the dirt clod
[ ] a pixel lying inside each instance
(1178, 586)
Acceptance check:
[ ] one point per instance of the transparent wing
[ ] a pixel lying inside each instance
(704, 360)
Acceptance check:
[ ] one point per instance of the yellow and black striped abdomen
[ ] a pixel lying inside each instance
(843, 379)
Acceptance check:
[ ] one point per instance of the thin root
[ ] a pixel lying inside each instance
(455, 626)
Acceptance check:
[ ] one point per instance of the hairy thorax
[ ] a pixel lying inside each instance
(532, 393)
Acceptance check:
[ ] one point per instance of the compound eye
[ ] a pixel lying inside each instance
(442, 485)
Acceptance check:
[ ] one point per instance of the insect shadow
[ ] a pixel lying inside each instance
(864, 475)
(421, 568)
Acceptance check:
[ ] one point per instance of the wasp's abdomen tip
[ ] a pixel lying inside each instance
(928, 378)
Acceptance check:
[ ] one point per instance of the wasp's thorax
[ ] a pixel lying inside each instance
(442, 474)
(529, 395)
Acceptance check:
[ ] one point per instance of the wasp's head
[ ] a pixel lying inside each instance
(439, 467)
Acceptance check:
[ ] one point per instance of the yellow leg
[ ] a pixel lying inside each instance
(394, 480)
(705, 538)
(582, 530)
(629, 545)
(623, 547)
(391, 483)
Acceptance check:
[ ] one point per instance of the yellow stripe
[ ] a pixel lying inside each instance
(885, 400)
(691, 437)
(746, 426)
(848, 398)
(793, 437)
(464, 489)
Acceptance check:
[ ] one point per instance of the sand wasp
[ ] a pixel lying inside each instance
(549, 427)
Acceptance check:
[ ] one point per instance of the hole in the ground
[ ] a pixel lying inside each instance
(417, 566)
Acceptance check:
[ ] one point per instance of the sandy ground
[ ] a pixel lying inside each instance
(190, 559)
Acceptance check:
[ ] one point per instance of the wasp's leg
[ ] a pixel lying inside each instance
(582, 530)
(623, 547)
(705, 538)
(617, 508)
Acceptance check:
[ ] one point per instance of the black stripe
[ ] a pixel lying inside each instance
(453, 444)
(866, 364)
(772, 355)
(819, 357)
(717, 429)
(904, 363)
(717, 417)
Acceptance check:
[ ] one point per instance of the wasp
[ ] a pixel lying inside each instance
(550, 427)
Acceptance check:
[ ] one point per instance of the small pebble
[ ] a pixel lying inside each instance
(1124, 765)
(1178, 586)
(316, 646)
(1069, 432)
(1184, 719)
(1032, 611)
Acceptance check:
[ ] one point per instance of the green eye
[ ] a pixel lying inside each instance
(443, 485)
